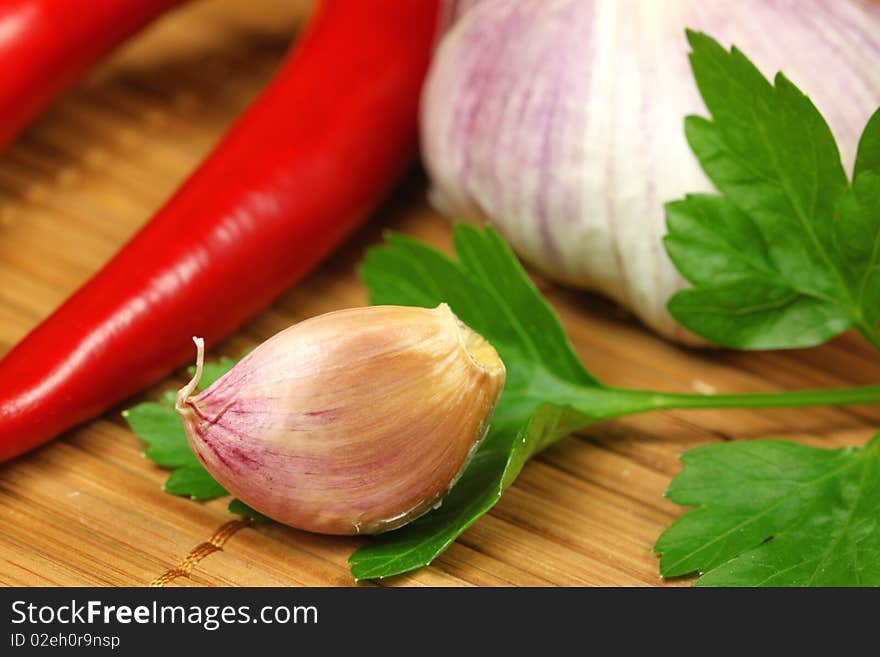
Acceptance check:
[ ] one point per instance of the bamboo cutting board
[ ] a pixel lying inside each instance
(88, 509)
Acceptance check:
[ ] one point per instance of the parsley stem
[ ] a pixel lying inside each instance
(795, 398)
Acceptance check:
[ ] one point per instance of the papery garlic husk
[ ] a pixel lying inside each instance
(356, 421)
(562, 121)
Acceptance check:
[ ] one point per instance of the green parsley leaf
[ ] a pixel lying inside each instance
(868, 156)
(547, 395)
(238, 507)
(773, 513)
(788, 255)
(159, 426)
(195, 481)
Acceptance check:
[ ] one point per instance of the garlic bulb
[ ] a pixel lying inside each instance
(356, 421)
(561, 121)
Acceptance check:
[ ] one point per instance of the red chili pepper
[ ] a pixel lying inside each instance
(315, 153)
(45, 45)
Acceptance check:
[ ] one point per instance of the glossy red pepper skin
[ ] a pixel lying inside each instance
(297, 173)
(45, 45)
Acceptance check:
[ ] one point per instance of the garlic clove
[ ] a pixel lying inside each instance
(356, 421)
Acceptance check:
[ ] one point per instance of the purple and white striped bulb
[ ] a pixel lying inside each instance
(562, 121)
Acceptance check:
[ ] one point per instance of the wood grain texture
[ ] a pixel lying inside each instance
(88, 509)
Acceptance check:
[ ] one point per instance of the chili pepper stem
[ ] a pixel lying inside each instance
(186, 391)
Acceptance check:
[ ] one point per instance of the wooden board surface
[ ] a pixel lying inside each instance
(88, 509)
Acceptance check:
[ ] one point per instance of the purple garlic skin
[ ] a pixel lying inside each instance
(356, 421)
